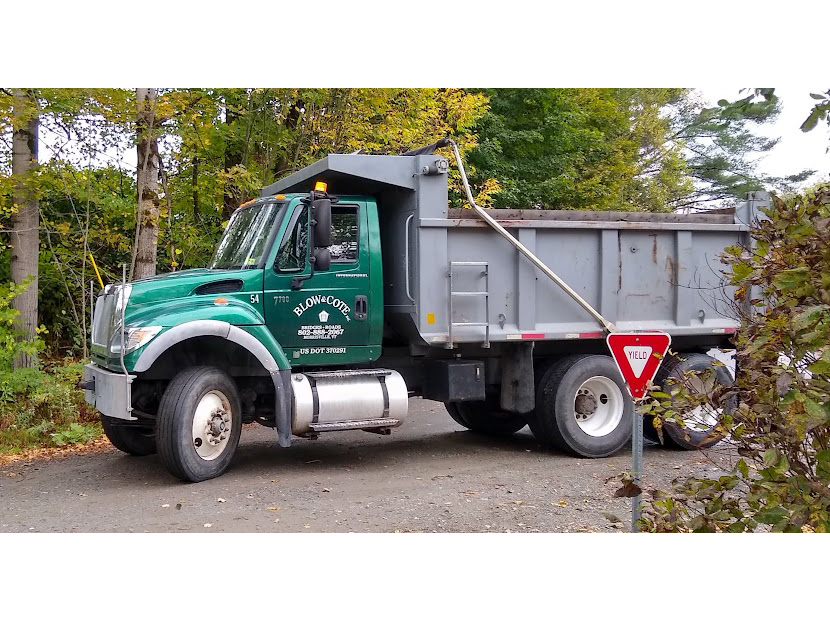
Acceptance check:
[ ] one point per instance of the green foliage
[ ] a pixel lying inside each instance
(781, 427)
(820, 111)
(12, 343)
(44, 407)
(76, 434)
(723, 145)
(39, 406)
(600, 149)
(623, 149)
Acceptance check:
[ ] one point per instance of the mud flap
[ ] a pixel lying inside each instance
(282, 406)
(518, 393)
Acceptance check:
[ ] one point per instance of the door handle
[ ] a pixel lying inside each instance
(361, 308)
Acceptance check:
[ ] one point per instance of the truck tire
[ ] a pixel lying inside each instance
(583, 407)
(699, 429)
(485, 417)
(199, 424)
(131, 439)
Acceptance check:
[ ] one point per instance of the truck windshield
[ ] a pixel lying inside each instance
(244, 240)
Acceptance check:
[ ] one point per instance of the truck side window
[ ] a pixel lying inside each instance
(293, 251)
(344, 234)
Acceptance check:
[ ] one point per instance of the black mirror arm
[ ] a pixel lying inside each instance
(297, 281)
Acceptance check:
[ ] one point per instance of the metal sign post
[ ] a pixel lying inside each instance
(636, 465)
(638, 357)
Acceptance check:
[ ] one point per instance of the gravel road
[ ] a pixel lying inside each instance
(429, 475)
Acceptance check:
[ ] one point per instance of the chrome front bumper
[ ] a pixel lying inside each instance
(109, 392)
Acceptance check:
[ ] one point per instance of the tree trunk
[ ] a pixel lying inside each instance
(147, 232)
(285, 159)
(25, 243)
(233, 155)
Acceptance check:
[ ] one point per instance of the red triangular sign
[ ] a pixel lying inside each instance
(638, 357)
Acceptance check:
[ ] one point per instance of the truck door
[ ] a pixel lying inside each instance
(326, 320)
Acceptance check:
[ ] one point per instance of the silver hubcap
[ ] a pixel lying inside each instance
(598, 406)
(212, 425)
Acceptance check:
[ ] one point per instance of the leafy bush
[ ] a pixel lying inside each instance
(781, 426)
(76, 434)
(11, 342)
(41, 406)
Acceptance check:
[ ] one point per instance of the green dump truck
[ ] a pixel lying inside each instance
(351, 286)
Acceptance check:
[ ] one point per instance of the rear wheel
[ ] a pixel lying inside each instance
(128, 437)
(485, 417)
(700, 375)
(582, 407)
(199, 424)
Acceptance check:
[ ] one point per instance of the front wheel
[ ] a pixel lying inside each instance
(199, 424)
(582, 407)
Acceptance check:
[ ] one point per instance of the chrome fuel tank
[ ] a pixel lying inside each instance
(348, 400)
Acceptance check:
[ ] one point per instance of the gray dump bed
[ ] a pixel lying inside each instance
(454, 278)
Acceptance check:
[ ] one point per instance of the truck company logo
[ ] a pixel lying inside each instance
(324, 316)
(327, 299)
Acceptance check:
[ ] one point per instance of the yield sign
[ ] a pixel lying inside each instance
(638, 357)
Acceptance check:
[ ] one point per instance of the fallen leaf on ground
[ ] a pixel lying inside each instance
(221, 500)
(629, 489)
(562, 503)
(275, 508)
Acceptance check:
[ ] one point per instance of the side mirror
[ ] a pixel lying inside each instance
(322, 259)
(321, 213)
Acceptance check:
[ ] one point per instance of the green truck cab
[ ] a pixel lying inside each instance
(265, 306)
(325, 312)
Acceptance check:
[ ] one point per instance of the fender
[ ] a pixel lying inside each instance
(258, 340)
(281, 377)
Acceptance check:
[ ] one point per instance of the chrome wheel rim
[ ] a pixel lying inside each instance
(212, 425)
(598, 406)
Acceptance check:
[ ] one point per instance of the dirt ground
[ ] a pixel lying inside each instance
(430, 475)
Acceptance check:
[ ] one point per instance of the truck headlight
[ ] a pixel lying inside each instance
(135, 337)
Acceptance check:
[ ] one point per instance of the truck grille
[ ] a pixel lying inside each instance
(106, 319)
